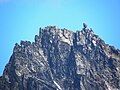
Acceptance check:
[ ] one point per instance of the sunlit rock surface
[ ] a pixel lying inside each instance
(60, 59)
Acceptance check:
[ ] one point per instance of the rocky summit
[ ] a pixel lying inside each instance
(60, 59)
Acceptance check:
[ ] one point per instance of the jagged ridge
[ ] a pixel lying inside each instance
(60, 59)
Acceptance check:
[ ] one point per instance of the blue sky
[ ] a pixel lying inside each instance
(21, 19)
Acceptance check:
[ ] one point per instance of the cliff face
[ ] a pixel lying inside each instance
(60, 59)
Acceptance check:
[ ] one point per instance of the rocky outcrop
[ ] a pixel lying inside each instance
(60, 59)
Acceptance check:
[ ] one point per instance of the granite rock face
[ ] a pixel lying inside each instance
(60, 59)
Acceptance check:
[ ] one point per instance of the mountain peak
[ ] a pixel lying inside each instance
(60, 59)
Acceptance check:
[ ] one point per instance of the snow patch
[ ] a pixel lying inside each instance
(94, 42)
(59, 88)
(18, 73)
(50, 41)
